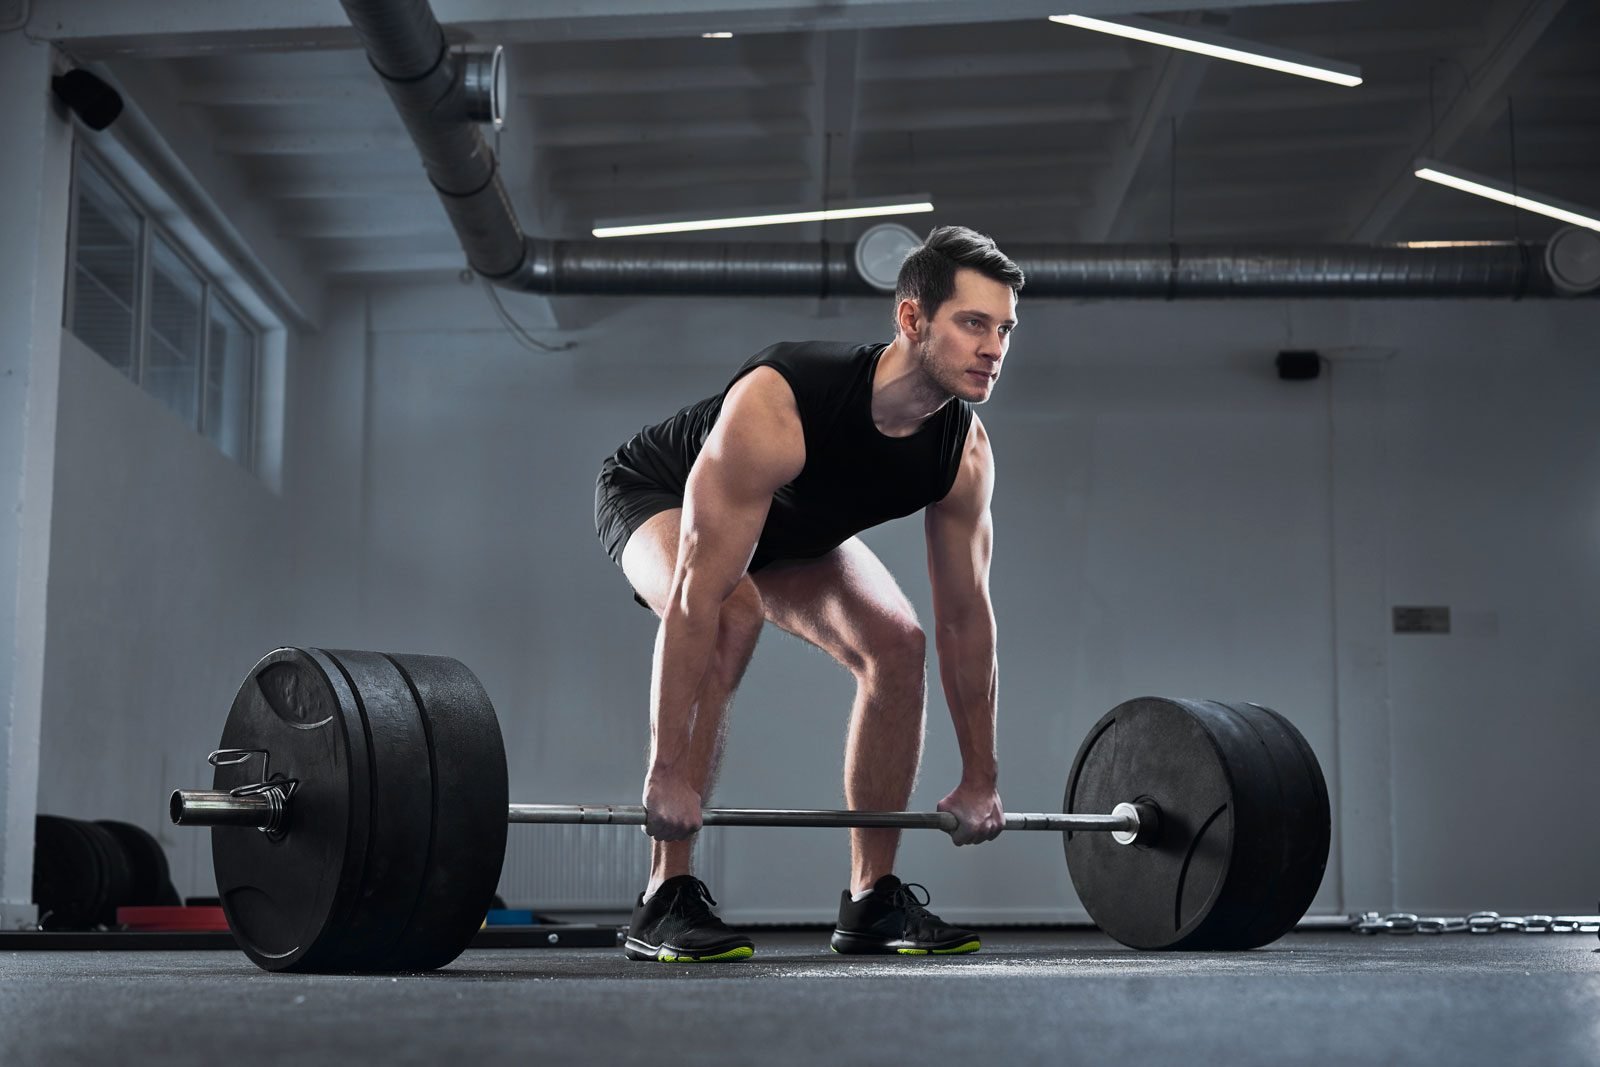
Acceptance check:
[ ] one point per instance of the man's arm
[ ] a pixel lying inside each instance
(960, 532)
(756, 447)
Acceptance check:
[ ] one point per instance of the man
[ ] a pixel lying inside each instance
(742, 509)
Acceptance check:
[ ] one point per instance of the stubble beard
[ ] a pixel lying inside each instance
(935, 388)
(940, 385)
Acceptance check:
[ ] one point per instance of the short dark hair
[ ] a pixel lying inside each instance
(928, 274)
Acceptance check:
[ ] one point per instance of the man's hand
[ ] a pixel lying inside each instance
(671, 808)
(979, 811)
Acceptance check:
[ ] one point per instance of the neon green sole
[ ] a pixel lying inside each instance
(743, 952)
(962, 949)
(969, 946)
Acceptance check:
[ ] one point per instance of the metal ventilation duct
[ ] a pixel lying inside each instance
(408, 50)
(1149, 271)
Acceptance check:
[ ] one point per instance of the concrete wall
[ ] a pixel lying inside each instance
(1167, 524)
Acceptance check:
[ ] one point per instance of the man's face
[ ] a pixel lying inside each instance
(961, 347)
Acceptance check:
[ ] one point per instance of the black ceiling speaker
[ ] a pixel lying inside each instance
(89, 97)
(1299, 365)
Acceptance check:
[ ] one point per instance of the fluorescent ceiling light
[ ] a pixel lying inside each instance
(763, 220)
(1219, 46)
(720, 35)
(1456, 244)
(1478, 185)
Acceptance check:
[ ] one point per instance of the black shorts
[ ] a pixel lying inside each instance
(623, 502)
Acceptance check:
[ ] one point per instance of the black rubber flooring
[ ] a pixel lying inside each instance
(1028, 998)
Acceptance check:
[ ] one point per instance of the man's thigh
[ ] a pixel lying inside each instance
(651, 554)
(846, 603)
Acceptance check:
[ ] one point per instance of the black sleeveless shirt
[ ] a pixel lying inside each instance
(854, 476)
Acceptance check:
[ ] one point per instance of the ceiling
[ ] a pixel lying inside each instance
(1022, 128)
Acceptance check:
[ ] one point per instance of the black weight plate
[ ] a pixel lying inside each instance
(118, 873)
(1292, 855)
(288, 898)
(402, 812)
(147, 861)
(470, 802)
(1244, 826)
(67, 875)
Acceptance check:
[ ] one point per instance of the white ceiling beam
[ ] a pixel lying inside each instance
(409, 229)
(991, 117)
(362, 258)
(609, 78)
(347, 143)
(676, 131)
(309, 186)
(686, 131)
(926, 162)
(665, 176)
(1166, 91)
(617, 81)
(1516, 25)
(1279, 147)
(1083, 58)
(1390, 40)
(1314, 98)
(189, 27)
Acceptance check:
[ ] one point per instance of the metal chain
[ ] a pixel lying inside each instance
(1479, 922)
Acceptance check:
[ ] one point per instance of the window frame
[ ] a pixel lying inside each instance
(151, 227)
(253, 409)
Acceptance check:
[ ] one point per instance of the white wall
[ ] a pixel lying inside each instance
(1165, 525)
(171, 572)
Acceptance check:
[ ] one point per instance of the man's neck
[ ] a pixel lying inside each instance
(902, 397)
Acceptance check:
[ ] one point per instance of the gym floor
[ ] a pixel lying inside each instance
(1029, 997)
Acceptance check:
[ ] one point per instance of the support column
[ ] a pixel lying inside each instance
(1363, 776)
(35, 172)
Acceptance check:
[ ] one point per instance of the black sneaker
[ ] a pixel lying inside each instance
(677, 926)
(893, 919)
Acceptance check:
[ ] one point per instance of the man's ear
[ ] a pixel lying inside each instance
(908, 316)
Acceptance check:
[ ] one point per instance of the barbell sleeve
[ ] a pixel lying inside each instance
(205, 807)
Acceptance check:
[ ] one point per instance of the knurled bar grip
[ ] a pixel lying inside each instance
(194, 807)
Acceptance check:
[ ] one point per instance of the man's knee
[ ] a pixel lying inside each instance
(895, 652)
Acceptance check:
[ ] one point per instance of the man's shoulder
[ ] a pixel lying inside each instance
(813, 354)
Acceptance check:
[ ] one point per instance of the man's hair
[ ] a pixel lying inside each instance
(928, 275)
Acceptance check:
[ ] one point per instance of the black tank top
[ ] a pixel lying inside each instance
(854, 476)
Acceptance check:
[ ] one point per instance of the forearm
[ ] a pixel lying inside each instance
(969, 671)
(685, 645)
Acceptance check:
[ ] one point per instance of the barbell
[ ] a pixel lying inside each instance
(359, 813)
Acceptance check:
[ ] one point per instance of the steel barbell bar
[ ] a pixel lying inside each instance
(269, 811)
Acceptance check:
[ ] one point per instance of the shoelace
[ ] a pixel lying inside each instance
(905, 897)
(694, 899)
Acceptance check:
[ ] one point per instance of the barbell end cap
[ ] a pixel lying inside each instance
(1146, 817)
